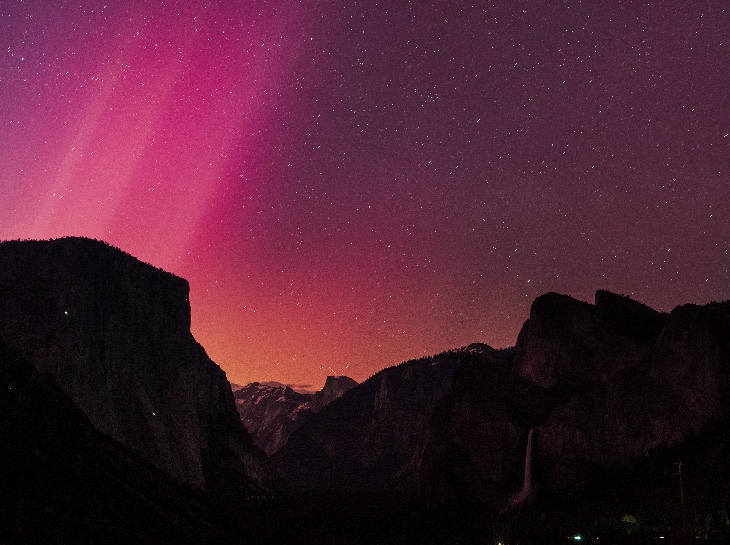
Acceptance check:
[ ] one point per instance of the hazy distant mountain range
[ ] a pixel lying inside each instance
(272, 411)
(607, 421)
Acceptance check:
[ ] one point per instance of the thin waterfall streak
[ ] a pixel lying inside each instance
(527, 482)
(526, 490)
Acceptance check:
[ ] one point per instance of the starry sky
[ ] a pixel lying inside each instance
(350, 184)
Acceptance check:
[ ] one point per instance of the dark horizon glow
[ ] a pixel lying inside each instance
(350, 185)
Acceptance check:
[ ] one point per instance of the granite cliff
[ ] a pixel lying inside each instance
(64, 482)
(607, 420)
(114, 333)
(334, 388)
(617, 396)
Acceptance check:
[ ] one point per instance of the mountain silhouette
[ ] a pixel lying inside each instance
(607, 421)
(114, 333)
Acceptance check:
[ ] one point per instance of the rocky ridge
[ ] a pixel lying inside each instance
(581, 428)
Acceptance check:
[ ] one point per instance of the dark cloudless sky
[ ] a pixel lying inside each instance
(350, 184)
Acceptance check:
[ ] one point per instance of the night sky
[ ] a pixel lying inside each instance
(347, 185)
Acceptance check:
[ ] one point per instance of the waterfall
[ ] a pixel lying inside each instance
(523, 494)
(527, 481)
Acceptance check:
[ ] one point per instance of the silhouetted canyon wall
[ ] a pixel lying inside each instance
(617, 394)
(64, 482)
(114, 333)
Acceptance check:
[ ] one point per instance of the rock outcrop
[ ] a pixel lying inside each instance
(334, 388)
(114, 333)
(567, 342)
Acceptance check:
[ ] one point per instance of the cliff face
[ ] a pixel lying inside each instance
(615, 393)
(374, 435)
(676, 389)
(115, 335)
(334, 388)
(567, 343)
(63, 481)
(647, 379)
(479, 432)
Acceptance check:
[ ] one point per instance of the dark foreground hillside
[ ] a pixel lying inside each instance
(63, 482)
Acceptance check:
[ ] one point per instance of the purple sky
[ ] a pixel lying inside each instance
(347, 185)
